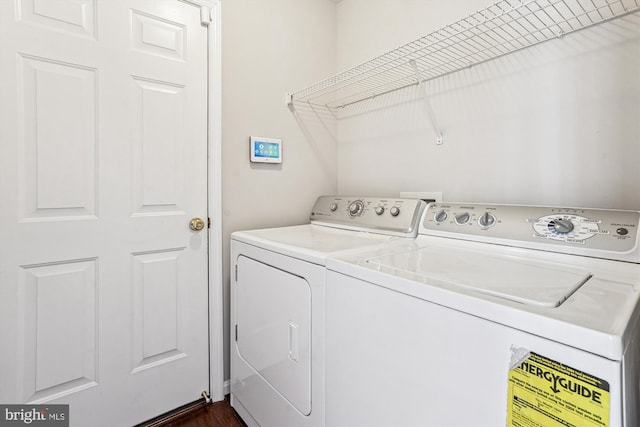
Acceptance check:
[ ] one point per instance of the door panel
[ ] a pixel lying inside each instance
(156, 36)
(73, 17)
(58, 321)
(52, 187)
(103, 139)
(156, 312)
(159, 166)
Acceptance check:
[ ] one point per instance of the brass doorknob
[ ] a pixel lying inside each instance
(196, 224)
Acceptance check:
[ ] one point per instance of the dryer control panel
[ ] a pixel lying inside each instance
(380, 215)
(602, 233)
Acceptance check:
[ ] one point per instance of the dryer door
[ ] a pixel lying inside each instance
(274, 328)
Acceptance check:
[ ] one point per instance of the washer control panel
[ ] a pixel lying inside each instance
(385, 215)
(570, 230)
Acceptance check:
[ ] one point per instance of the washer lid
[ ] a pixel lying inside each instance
(512, 277)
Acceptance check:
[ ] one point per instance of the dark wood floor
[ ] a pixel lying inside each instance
(217, 414)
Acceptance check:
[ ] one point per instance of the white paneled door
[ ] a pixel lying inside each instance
(103, 163)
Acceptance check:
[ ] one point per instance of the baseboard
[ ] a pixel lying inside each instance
(227, 387)
(170, 416)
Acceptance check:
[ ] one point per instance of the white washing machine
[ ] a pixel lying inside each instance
(492, 316)
(277, 303)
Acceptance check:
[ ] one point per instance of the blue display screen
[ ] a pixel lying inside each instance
(266, 149)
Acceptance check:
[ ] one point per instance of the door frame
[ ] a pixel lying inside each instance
(211, 15)
(216, 296)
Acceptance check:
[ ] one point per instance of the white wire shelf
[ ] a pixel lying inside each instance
(499, 29)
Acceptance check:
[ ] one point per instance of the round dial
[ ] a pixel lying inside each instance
(394, 211)
(566, 227)
(356, 208)
(440, 216)
(486, 220)
(462, 218)
(379, 210)
(333, 207)
(561, 226)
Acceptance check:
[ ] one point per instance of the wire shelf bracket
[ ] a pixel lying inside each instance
(423, 88)
(499, 29)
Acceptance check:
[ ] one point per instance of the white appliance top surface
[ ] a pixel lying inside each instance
(339, 224)
(310, 242)
(584, 302)
(510, 277)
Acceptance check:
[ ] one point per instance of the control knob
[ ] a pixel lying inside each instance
(356, 208)
(440, 216)
(394, 211)
(379, 210)
(561, 226)
(462, 218)
(333, 207)
(487, 220)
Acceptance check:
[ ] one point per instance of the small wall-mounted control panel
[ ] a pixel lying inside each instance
(265, 150)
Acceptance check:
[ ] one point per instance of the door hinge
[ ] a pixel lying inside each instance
(208, 222)
(205, 15)
(236, 273)
(236, 332)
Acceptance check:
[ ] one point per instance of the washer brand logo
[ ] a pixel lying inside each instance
(34, 415)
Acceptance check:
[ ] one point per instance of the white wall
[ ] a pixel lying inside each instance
(555, 124)
(270, 48)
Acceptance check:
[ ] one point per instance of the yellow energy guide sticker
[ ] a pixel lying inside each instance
(545, 393)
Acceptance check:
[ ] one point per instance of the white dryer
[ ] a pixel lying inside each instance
(277, 303)
(494, 315)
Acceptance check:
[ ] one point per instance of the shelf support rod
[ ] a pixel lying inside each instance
(423, 88)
